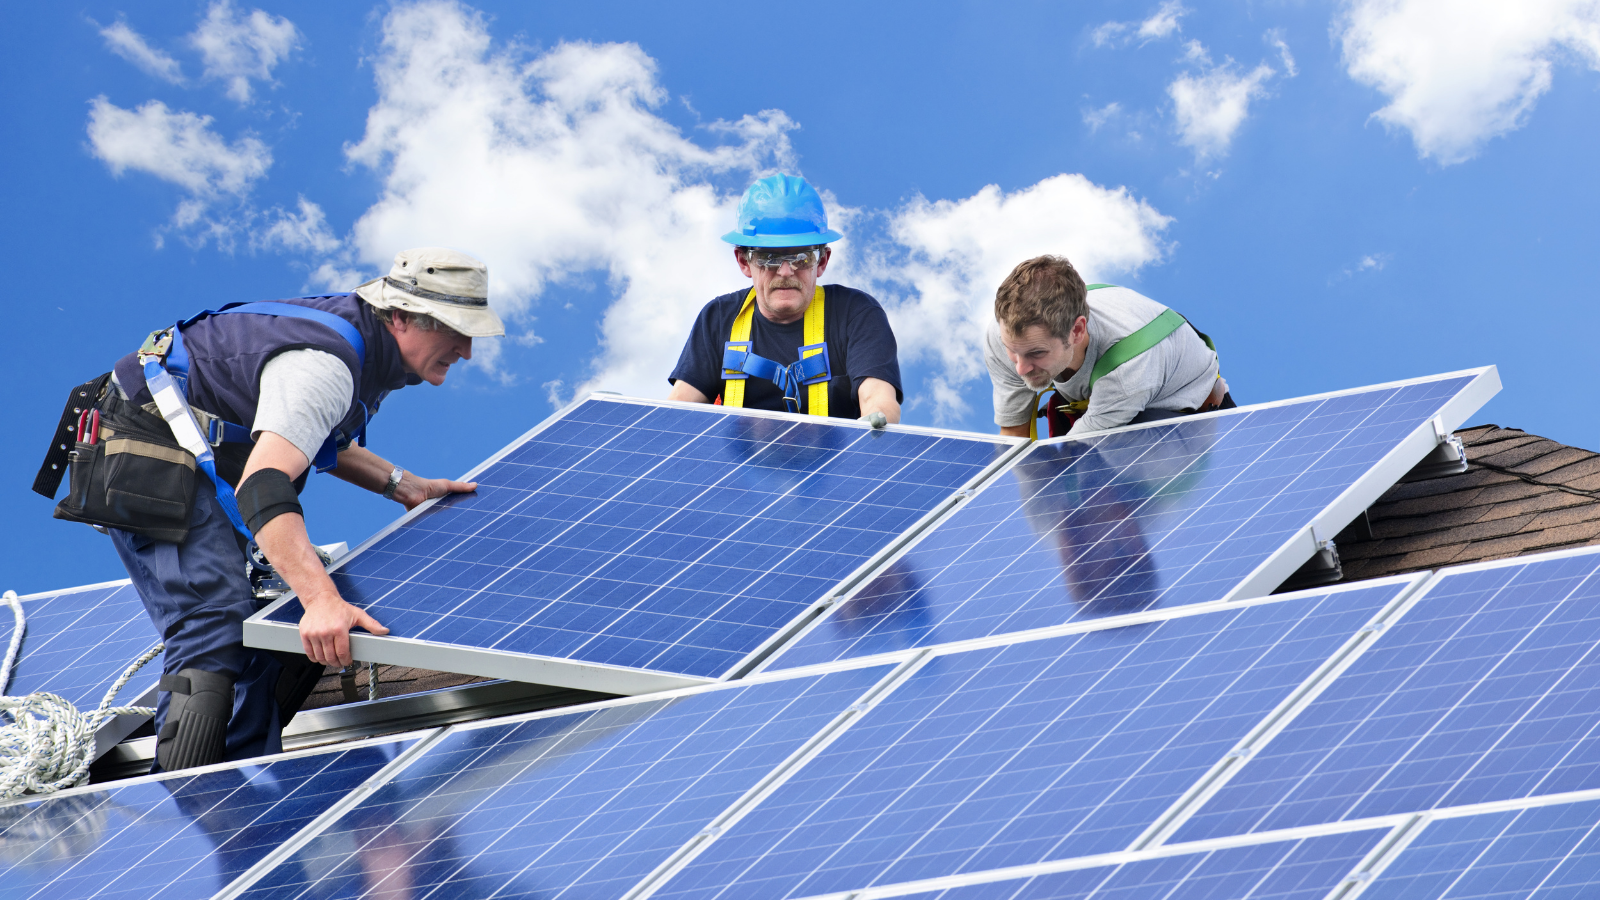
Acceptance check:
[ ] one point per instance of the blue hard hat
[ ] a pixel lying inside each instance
(781, 211)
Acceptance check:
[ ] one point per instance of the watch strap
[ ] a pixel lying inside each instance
(394, 482)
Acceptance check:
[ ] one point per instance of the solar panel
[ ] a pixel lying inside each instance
(1013, 755)
(1305, 869)
(1198, 509)
(1544, 851)
(1487, 689)
(582, 804)
(78, 642)
(630, 546)
(177, 836)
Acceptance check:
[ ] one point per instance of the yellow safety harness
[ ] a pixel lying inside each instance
(811, 371)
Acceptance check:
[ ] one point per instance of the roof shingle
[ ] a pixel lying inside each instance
(1520, 494)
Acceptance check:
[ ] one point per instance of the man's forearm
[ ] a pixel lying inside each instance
(287, 546)
(877, 395)
(363, 468)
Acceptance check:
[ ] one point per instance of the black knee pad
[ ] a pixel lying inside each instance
(195, 732)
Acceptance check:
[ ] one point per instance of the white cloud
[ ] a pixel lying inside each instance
(305, 231)
(1212, 103)
(1374, 261)
(237, 48)
(1274, 37)
(938, 284)
(180, 147)
(1094, 118)
(122, 40)
(551, 167)
(1460, 72)
(1163, 23)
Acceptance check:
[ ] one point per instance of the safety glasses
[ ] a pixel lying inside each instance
(772, 259)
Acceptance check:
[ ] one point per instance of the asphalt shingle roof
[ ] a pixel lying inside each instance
(1521, 494)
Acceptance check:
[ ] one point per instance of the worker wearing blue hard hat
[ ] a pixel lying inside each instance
(786, 343)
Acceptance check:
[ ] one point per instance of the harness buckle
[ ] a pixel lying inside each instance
(815, 369)
(734, 355)
(156, 346)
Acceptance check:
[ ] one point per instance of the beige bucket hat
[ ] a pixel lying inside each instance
(434, 281)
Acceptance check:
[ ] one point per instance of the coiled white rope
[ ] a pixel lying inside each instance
(49, 743)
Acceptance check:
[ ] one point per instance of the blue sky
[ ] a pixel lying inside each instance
(1340, 194)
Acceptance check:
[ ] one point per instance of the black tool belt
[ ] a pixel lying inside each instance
(128, 472)
(84, 397)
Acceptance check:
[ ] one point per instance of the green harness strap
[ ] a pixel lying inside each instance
(1154, 332)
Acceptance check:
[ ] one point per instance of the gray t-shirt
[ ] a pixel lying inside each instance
(304, 395)
(1176, 374)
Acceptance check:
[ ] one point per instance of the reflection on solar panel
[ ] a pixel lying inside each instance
(1546, 851)
(1201, 509)
(1306, 869)
(78, 642)
(175, 837)
(1059, 753)
(646, 546)
(584, 804)
(1063, 747)
(1488, 689)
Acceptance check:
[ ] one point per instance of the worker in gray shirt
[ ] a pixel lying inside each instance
(1113, 356)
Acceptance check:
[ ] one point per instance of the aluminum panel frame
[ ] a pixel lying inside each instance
(601, 678)
(1271, 572)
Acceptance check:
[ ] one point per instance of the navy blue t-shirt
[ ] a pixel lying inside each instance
(860, 346)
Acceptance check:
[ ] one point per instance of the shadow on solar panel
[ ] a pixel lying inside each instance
(1201, 509)
(630, 546)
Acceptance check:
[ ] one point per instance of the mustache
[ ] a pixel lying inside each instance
(781, 283)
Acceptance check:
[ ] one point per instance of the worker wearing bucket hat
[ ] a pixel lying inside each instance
(201, 441)
(786, 343)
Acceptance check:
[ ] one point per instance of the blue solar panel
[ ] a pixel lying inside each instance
(578, 805)
(651, 537)
(1024, 753)
(78, 642)
(1306, 869)
(1153, 517)
(1548, 852)
(1488, 689)
(182, 836)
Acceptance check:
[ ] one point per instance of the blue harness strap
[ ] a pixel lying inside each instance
(739, 363)
(173, 371)
(178, 358)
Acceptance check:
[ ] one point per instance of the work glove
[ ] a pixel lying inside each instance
(875, 419)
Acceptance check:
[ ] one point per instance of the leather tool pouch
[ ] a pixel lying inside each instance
(132, 475)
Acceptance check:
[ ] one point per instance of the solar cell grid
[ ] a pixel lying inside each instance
(1126, 521)
(1024, 753)
(1307, 869)
(79, 641)
(178, 837)
(652, 537)
(1547, 852)
(1487, 689)
(584, 804)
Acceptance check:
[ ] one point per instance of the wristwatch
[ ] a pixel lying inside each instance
(394, 482)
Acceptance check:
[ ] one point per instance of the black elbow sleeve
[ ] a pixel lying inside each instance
(266, 495)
